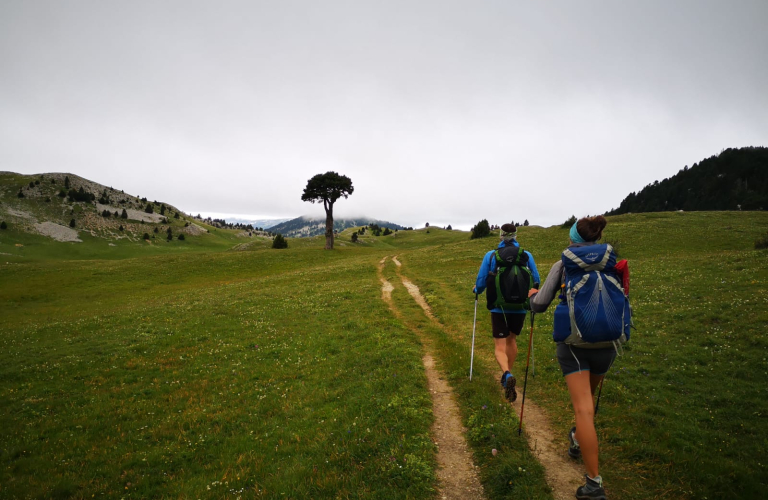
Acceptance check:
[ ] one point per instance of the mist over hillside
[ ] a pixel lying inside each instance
(302, 227)
(262, 223)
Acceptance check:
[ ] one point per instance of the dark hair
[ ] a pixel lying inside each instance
(591, 228)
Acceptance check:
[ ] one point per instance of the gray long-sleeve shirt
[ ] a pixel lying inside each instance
(548, 291)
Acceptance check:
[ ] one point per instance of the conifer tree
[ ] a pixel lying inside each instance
(327, 188)
(279, 242)
(481, 230)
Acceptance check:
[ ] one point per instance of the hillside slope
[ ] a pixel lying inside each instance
(67, 216)
(736, 179)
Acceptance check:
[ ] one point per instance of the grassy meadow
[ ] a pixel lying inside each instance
(161, 372)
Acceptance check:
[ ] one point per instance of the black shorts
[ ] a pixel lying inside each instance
(578, 359)
(505, 324)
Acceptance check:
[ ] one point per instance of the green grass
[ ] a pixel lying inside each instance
(683, 411)
(281, 373)
(252, 383)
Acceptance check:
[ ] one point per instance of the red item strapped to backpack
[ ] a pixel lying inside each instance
(622, 269)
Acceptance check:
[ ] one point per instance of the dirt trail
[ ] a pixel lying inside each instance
(456, 472)
(563, 474)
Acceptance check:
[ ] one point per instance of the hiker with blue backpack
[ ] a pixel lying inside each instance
(507, 274)
(591, 320)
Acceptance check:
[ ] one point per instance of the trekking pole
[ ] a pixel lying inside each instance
(525, 383)
(472, 357)
(533, 358)
(599, 392)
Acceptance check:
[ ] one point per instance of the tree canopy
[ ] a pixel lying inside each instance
(328, 188)
(480, 230)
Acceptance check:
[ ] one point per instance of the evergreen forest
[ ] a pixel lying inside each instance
(736, 179)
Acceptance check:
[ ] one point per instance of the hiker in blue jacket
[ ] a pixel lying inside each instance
(583, 363)
(506, 325)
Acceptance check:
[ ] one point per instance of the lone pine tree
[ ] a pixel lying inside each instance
(328, 188)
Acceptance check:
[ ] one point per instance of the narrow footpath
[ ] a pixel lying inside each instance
(456, 473)
(563, 474)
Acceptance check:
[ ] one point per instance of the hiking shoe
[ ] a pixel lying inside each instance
(592, 490)
(508, 381)
(573, 450)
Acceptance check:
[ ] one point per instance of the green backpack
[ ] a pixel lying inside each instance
(507, 287)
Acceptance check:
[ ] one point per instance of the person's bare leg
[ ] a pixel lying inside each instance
(502, 357)
(511, 350)
(580, 389)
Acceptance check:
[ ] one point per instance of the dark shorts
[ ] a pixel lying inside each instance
(578, 359)
(505, 324)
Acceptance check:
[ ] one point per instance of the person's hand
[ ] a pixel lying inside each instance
(474, 289)
(532, 291)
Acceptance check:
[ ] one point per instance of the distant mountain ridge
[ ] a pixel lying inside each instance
(262, 223)
(736, 179)
(302, 227)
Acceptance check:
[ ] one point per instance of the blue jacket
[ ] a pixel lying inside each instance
(489, 265)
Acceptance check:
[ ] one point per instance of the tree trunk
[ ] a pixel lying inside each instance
(328, 225)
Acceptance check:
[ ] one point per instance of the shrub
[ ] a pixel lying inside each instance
(354, 236)
(526, 222)
(47, 199)
(20, 195)
(156, 230)
(124, 215)
(106, 213)
(31, 184)
(387, 231)
(66, 182)
(120, 228)
(568, 223)
(170, 237)
(146, 236)
(426, 225)
(449, 228)
(279, 242)
(62, 193)
(150, 209)
(181, 237)
(72, 223)
(176, 215)
(480, 230)
(3, 225)
(761, 243)
(80, 195)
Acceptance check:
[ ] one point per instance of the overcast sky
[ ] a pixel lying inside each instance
(444, 112)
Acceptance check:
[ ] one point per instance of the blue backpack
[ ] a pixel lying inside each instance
(594, 308)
